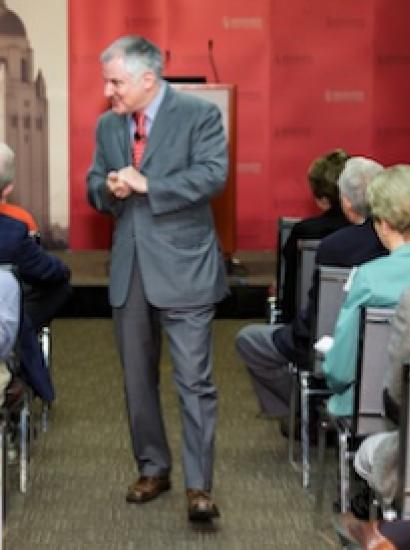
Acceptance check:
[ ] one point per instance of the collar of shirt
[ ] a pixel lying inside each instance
(150, 111)
(402, 249)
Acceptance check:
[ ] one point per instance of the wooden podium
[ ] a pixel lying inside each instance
(224, 206)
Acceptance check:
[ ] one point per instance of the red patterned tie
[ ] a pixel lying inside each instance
(140, 138)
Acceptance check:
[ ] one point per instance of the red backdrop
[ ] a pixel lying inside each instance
(311, 76)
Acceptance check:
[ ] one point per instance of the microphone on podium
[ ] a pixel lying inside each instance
(212, 60)
(167, 57)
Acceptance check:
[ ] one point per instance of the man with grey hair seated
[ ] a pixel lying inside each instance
(45, 279)
(267, 350)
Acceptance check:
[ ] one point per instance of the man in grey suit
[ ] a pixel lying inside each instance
(160, 157)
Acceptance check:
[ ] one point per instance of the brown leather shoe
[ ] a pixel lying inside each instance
(146, 488)
(366, 533)
(200, 506)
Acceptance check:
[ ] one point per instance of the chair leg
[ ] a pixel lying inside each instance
(44, 416)
(344, 471)
(305, 421)
(321, 467)
(292, 416)
(374, 505)
(24, 443)
(2, 479)
(45, 344)
(45, 340)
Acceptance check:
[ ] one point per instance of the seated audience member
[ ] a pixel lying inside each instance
(322, 176)
(267, 350)
(19, 213)
(378, 283)
(9, 324)
(46, 277)
(13, 210)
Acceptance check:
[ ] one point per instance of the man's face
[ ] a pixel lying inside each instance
(126, 93)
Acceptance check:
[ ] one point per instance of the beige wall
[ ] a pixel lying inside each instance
(46, 26)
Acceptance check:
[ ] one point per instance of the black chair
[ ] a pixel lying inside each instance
(368, 414)
(304, 278)
(306, 265)
(285, 225)
(330, 294)
(404, 448)
(46, 347)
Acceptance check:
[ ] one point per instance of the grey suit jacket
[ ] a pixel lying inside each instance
(171, 228)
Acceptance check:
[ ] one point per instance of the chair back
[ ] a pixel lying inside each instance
(285, 226)
(404, 452)
(372, 361)
(330, 296)
(306, 266)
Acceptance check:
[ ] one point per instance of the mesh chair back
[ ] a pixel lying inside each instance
(306, 266)
(404, 458)
(330, 296)
(372, 362)
(285, 226)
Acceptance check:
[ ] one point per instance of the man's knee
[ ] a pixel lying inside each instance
(245, 342)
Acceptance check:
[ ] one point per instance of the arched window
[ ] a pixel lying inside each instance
(24, 70)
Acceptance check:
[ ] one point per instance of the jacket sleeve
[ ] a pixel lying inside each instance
(98, 195)
(35, 265)
(203, 169)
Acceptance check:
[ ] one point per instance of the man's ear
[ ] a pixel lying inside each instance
(7, 191)
(149, 79)
(323, 203)
(385, 226)
(347, 203)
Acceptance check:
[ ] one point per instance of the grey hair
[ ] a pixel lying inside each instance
(7, 166)
(138, 53)
(354, 179)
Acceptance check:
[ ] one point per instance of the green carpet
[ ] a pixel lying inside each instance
(81, 467)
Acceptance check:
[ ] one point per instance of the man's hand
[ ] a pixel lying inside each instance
(119, 188)
(134, 179)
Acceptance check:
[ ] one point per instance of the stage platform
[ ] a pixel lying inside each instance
(251, 276)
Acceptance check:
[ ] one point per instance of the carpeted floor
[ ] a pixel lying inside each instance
(81, 467)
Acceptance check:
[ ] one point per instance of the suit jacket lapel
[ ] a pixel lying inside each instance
(161, 124)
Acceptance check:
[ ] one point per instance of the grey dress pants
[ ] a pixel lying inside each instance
(268, 368)
(138, 330)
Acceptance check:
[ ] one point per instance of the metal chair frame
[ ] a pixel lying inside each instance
(404, 447)
(330, 296)
(368, 414)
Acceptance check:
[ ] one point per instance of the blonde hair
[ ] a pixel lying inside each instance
(389, 197)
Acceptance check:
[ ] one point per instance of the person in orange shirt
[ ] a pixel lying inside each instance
(17, 212)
